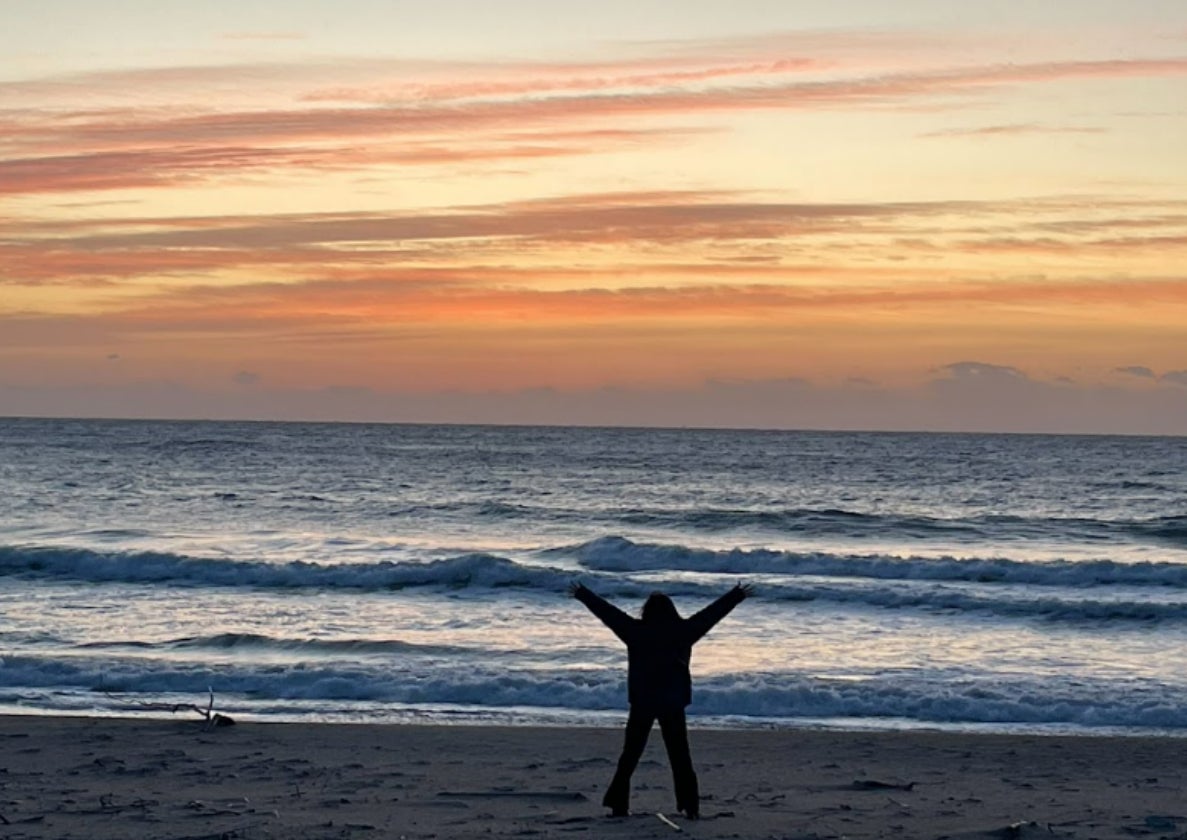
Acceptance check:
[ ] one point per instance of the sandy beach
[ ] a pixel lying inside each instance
(120, 778)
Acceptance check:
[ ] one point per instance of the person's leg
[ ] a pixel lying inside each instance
(675, 731)
(638, 727)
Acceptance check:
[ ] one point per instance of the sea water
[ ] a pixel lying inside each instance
(344, 572)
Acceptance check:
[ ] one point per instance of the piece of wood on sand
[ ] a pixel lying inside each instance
(663, 818)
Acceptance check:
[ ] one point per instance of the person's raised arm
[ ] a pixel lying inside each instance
(703, 621)
(610, 615)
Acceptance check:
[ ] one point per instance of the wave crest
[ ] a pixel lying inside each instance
(483, 570)
(618, 554)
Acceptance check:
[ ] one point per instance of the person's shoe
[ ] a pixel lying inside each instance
(616, 802)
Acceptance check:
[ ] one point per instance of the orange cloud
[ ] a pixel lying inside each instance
(1162, 245)
(411, 297)
(427, 331)
(576, 218)
(705, 233)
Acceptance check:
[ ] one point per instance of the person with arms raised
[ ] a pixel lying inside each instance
(659, 686)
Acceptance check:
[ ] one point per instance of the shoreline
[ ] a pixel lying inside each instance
(539, 718)
(109, 777)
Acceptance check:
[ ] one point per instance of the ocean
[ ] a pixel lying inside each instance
(418, 573)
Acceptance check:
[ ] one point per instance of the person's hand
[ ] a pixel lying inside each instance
(745, 589)
(575, 587)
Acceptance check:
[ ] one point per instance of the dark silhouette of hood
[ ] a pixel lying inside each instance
(659, 609)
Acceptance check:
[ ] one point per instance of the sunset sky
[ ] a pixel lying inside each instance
(768, 213)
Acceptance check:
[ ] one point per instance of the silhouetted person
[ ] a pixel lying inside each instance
(659, 647)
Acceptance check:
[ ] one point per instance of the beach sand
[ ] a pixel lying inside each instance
(176, 779)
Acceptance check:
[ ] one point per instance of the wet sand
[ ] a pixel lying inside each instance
(176, 779)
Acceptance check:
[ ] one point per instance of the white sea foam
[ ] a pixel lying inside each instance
(940, 698)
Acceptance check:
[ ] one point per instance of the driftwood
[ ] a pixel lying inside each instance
(669, 823)
(211, 809)
(108, 805)
(213, 719)
(1024, 828)
(874, 784)
(563, 796)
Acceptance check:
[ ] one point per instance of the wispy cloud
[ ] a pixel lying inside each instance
(539, 79)
(1140, 371)
(1014, 129)
(467, 297)
(265, 36)
(188, 165)
(592, 218)
(1047, 245)
(51, 151)
(689, 234)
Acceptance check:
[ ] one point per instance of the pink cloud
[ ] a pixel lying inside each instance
(49, 152)
(157, 167)
(543, 81)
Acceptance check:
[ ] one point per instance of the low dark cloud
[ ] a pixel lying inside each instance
(1173, 377)
(967, 397)
(982, 371)
(246, 378)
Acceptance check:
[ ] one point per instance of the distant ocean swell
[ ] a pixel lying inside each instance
(1088, 591)
(942, 698)
(832, 522)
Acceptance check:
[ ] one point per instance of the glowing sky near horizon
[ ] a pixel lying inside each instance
(239, 208)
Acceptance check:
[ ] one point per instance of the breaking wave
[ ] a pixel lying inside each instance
(1063, 591)
(940, 698)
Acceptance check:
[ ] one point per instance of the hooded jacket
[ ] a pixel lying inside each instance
(659, 645)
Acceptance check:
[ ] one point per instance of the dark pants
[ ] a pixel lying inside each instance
(675, 732)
